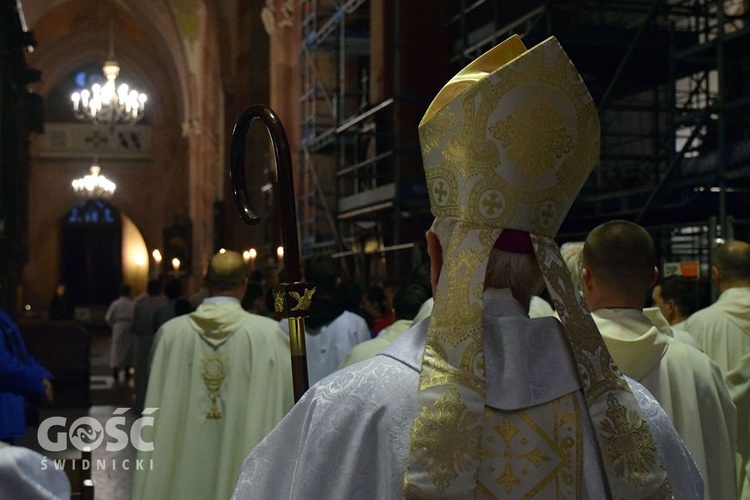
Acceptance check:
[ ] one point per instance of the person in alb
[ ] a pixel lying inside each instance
(481, 400)
(119, 317)
(722, 331)
(220, 379)
(687, 384)
(330, 330)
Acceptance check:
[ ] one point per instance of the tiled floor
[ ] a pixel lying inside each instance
(111, 470)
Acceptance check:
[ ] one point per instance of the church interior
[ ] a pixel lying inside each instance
(349, 80)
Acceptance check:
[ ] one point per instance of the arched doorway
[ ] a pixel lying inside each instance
(135, 258)
(91, 260)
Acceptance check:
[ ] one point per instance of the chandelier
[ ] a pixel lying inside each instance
(109, 103)
(94, 186)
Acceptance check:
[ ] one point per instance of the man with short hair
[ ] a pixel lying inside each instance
(677, 298)
(722, 330)
(481, 400)
(220, 380)
(687, 384)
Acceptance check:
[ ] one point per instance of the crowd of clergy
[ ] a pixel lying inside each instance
(693, 364)
(523, 369)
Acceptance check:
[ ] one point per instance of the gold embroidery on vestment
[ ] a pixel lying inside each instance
(534, 451)
(213, 370)
(625, 440)
(628, 446)
(436, 371)
(446, 453)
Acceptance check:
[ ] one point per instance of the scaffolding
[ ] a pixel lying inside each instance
(334, 51)
(358, 175)
(669, 79)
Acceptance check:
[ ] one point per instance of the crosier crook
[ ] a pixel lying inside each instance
(290, 299)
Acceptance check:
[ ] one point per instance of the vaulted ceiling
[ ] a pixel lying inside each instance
(159, 43)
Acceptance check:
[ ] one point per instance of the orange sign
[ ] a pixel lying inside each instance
(688, 269)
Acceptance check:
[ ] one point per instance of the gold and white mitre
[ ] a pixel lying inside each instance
(508, 144)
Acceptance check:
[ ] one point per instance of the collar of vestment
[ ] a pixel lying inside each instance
(655, 316)
(735, 303)
(391, 332)
(520, 353)
(636, 345)
(216, 320)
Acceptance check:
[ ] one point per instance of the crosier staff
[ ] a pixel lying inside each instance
(293, 299)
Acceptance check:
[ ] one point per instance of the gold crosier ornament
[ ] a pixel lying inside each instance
(508, 143)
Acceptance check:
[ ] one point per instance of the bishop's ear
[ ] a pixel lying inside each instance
(586, 278)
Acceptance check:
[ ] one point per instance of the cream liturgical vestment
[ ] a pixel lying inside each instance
(425, 310)
(661, 323)
(687, 384)
(370, 348)
(220, 380)
(349, 435)
(738, 382)
(722, 330)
